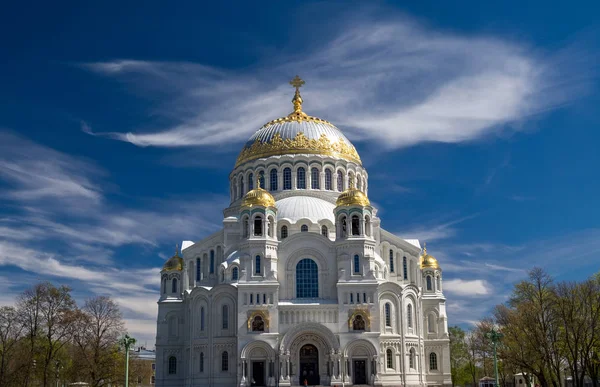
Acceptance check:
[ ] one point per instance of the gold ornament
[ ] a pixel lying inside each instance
(258, 197)
(175, 263)
(428, 261)
(352, 197)
(300, 144)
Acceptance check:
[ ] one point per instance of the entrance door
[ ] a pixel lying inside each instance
(258, 373)
(360, 372)
(309, 365)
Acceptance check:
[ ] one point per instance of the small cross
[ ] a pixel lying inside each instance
(297, 82)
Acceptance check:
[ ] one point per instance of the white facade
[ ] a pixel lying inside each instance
(302, 290)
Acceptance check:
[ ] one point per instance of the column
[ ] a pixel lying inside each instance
(322, 180)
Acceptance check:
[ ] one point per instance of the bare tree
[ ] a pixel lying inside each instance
(99, 326)
(29, 307)
(11, 332)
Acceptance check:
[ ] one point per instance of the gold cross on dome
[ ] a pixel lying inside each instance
(297, 82)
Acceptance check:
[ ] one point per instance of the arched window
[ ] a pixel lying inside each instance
(356, 264)
(273, 179)
(358, 182)
(235, 189)
(351, 180)
(411, 358)
(235, 274)
(438, 283)
(409, 318)
(340, 181)
(307, 279)
(245, 227)
(202, 319)
(328, 180)
(391, 261)
(304, 228)
(355, 225)
(287, 178)
(164, 285)
(432, 361)
(344, 227)
(324, 231)
(258, 226)
(431, 323)
(225, 322)
(390, 358)
(405, 268)
(172, 365)
(242, 186)
(428, 280)
(301, 178)
(225, 361)
(261, 177)
(201, 361)
(314, 178)
(257, 265)
(212, 262)
(174, 286)
(258, 324)
(359, 323)
(270, 224)
(388, 314)
(284, 232)
(198, 269)
(250, 181)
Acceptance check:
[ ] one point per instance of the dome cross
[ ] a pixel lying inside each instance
(297, 82)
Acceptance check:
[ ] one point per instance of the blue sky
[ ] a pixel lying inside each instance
(119, 124)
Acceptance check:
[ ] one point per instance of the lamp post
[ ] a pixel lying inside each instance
(495, 337)
(127, 341)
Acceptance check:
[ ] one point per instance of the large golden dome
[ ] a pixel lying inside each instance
(298, 133)
(428, 261)
(352, 197)
(258, 197)
(175, 263)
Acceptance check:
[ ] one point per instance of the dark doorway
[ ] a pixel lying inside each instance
(258, 373)
(360, 372)
(309, 365)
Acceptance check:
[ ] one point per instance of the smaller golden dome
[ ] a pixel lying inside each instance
(428, 261)
(258, 197)
(352, 197)
(175, 263)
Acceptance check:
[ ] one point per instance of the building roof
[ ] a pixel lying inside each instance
(294, 208)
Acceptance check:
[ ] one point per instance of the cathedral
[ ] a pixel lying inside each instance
(301, 285)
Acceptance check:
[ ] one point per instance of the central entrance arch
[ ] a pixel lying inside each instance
(309, 365)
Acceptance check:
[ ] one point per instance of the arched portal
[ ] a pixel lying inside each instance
(309, 365)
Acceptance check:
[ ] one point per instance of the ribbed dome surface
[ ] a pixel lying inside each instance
(301, 207)
(289, 130)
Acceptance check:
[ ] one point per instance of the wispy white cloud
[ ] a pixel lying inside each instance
(47, 236)
(396, 82)
(434, 231)
(37, 172)
(462, 287)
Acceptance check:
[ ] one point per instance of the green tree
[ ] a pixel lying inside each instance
(99, 325)
(458, 356)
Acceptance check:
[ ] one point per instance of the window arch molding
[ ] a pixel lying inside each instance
(358, 314)
(433, 361)
(235, 273)
(322, 267)
(389, 358)
(431, 316)
(388, 297)
(264, 317)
